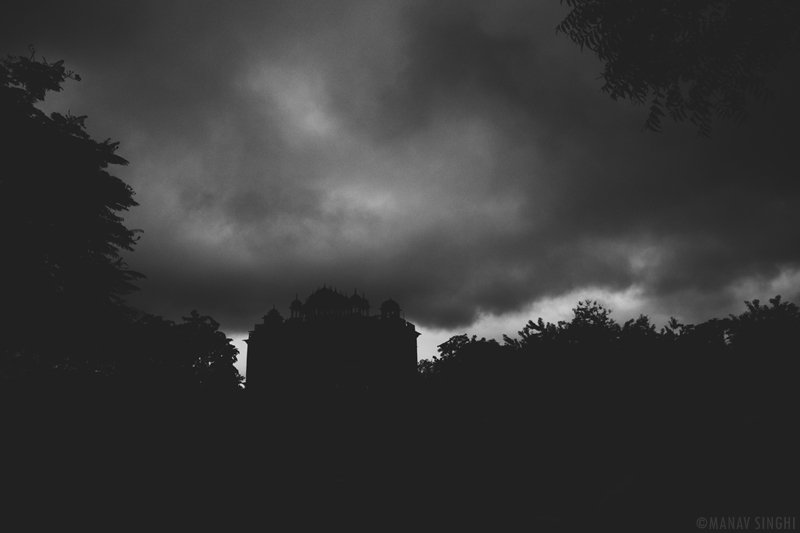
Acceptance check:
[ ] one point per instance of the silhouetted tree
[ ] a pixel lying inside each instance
(592, 325)
(193, 355)
(425, 369)
(466, 359)
(146, 346)
(763, 342)
(60, 230)
(639, 335)
(674, 329)
(693, 58)
(535, 333)
(771, 326)
(206, 353)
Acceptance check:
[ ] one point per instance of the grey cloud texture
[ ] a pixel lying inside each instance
(455, 156)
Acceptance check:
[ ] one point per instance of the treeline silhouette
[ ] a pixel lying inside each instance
(590, 422)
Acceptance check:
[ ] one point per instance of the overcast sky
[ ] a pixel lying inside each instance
(457, 157)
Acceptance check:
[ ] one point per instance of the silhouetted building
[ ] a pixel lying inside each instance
(331, 343)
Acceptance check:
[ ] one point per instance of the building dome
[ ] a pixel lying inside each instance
(390, 305)
(296, 307)
(326, 301)
(390, 309)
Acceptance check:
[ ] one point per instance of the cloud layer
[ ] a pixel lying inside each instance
(455, 156)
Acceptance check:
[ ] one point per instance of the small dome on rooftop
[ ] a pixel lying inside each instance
(390, 305)
(296, 303)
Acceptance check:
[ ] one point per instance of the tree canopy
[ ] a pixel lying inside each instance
(762, 332)
(191, 355)
(588, 399)
(64, 279)
(59, 215)
(691, 59)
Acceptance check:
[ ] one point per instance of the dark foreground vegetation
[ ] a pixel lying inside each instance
(112, 417)
(102, 406)
(584, 425)
(626, 426)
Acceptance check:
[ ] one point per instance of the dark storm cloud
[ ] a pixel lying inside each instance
(449, 60)
(455, 156)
